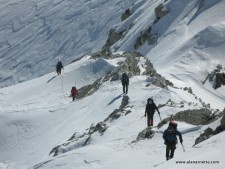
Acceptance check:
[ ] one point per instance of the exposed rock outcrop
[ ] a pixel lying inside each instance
(113, 37)
(195, 117)
(217, 76)
(123, 109)
(146, 133)
(130, 65)
(146, 36)
(75, 142)
(221, 127)
(188, 89)
(207, 134)
(210, 132)
(222, 122)
(79, 140)
(163, 122)
(220, 80)
(126, 14)
(100, 127)
(155, 78)
(160, 11)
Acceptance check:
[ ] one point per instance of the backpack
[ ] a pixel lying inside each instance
(125, 78)
(59, 65)
(74, 90)
(170, 135)
(170, 130)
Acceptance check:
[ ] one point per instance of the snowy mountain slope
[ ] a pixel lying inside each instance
(35, 34)
(86, 71)
(190, 42)
(32, 113)
(204, 155)
(38, 115)
(194, 60)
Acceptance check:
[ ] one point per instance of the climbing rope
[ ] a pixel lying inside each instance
(62, 86)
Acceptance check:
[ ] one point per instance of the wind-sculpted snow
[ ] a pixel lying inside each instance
(37, 117)
(211, 37)
(187, 43)
(193, 60)
(147, 18)
(80, 140)
(3, 166)
(35, 34)
(97, 129)
(79, 74)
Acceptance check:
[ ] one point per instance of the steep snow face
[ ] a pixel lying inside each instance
(190, 41)
(192, 54)
(199, 22)
(35, 34)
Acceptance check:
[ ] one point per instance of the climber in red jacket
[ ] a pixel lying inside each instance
(74, 92)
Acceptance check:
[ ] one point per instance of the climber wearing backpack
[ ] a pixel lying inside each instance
(74, 92)
(59, 66)
(150, 110)
(125, 82)
(170, 138)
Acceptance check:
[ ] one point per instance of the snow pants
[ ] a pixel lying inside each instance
(150, 119)
(74, 96)
(58, 71)
(125, 87)
(170, 149)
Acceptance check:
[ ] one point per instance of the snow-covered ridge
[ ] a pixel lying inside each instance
(38, 116)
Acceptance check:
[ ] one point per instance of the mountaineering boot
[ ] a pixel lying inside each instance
(168, 158)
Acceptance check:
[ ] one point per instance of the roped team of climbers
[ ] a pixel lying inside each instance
(169, 135)
(74, 90)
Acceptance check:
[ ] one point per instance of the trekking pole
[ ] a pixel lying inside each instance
(142, 117)
(62, 85)
(171, 117)
(183, 147)
(145, 122)
(160, 117)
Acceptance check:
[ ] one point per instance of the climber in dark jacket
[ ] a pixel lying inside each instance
(59, 66)
(170, 138)
(150, 110)
(125, 82)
